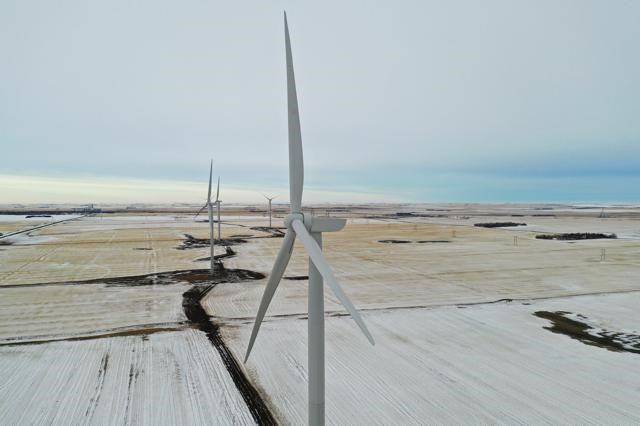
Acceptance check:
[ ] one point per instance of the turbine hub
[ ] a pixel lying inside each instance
(306, 219)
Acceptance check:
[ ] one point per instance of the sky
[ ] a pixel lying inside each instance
(406, 101)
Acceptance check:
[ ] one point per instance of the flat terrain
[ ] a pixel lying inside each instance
(93, 312)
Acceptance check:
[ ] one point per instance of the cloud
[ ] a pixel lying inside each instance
(20, 189)
(538, 89)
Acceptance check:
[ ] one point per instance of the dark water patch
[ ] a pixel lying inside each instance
(230, 241)
(275, 232)
(394, 241)
(142, 248)
(37, 215)
(192, 276)
(5, 243)
(189, 276)
(297, 277)
(413, 214)
(615, 341)
(498, 224)
(403, 215)
(191, 242)
(229, 252)
(574, 236)
(432, 241)
(191, 304)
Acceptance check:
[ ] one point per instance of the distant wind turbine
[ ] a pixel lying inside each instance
(308, 229)
(270, 199)
(209, 206)
(217, 203)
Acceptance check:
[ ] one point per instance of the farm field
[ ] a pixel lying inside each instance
(116, 315)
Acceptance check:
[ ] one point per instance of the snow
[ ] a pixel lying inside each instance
(443, 354)
(60, 311)
(478, 265)
(165, 378)
(484, 364)
(29, 220)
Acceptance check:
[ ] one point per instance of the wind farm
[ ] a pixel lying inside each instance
(435, 313)
(451, 337)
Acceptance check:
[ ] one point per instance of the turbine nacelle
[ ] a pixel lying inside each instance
(315, 223)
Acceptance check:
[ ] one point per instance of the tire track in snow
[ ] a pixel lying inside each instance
(93, 402)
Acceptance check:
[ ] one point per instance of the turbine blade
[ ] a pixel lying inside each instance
(210, 173)
(296, 162)
(315, 253)
(279, 267)
(202, 208)
(218, 190)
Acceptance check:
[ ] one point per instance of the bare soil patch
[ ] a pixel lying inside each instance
(616, 341)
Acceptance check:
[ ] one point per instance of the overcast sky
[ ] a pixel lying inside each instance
(424, 101)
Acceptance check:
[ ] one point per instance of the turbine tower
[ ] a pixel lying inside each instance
(269, 199)
(217, 203)
(308, 229)
(209, 206)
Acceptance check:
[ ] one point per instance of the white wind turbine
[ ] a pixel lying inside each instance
(209, 206)
(308, 229)
(270, 199)
(217, 203)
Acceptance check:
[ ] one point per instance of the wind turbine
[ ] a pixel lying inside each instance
(308, 229)
(209, 207)
(217, 203)
(269, 199)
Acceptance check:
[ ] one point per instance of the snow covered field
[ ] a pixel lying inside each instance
(98, 247)
(10, 223)
(161, 379)
(452, 308)
(54, 312)
(475, 265)
(482, 364)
